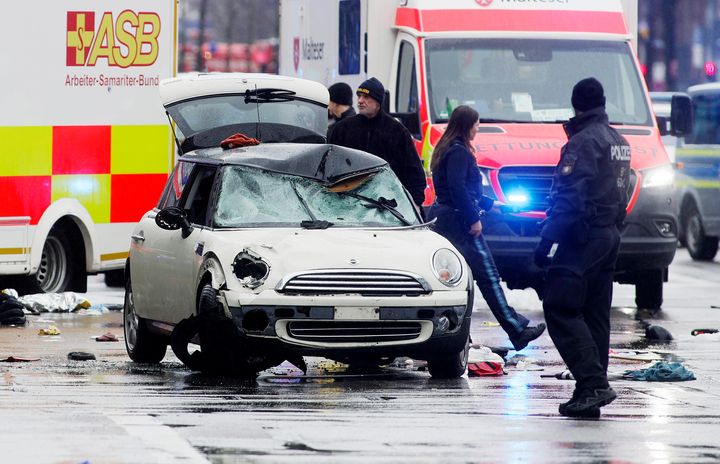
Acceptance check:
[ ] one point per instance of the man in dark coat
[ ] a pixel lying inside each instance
(340, 105)
(376, 132)
(587, 206)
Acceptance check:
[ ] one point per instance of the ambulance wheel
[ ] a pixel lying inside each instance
(649, 290)
(449, 367)
(700, 246)
(142, 345)
(57, 271)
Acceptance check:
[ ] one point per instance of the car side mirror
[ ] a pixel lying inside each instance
(681, 115)
(663, 123)
(174, 218)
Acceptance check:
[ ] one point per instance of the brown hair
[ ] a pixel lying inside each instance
(462, 120)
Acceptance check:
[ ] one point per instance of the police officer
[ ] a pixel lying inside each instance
(579, 246)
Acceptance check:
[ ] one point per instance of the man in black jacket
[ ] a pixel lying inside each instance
(376, 132)
(340, 105)
(588, 198)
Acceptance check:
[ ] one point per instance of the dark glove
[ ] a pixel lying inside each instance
(541, 253)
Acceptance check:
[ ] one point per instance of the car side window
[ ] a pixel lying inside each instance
(175, 185)
(196, 198)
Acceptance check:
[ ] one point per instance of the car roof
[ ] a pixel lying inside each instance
(326, 163)
(195, 85)
(704, 88)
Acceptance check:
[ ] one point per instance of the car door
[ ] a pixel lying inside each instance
(184, 255)
(163, 263)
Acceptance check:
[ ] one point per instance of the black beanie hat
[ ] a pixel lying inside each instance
(373, 88)
(588, 94)
(341, 93)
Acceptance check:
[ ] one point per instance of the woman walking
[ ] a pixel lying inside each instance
(458, 201)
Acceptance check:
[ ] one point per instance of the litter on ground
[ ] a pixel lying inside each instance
(635, 355)
(661, 372)
(49, 330)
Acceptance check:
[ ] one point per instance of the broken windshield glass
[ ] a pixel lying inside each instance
(252, 197)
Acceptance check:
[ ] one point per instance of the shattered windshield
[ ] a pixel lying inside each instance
(252, 197)
(198, 115)
(531, 80)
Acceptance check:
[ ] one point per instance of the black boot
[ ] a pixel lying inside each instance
(527, 335)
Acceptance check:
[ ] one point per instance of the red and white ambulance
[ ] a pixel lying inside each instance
(85, 146)
(516, 62)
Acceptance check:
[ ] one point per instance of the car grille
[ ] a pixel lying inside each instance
(366, 283)
(534, 181)
(354, 331)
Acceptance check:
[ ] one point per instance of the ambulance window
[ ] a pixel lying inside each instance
(406, 95)
(175, 185)
(349, 35)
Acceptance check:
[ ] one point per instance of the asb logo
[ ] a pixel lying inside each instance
(131, 39)
(296, 52)
(484, 2)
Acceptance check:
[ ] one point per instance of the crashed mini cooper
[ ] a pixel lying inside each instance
(300, 247)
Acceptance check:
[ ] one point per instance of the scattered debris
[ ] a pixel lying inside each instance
(17, 359)
(485, 369)
(564, 375)
(697, 332)
(54, 302)
(528, 365)
(80, 356)
(661, 372)
(489, 324)
(484, 354)
(635, 355)
(11, 310)
(657, 333)
(49, 330)
(107, 337)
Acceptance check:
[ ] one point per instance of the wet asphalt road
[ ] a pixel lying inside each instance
(114, 411)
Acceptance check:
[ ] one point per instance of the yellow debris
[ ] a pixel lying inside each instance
(49, 330)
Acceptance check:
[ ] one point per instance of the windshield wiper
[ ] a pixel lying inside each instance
(267, 95)
(314, 223)
(380, 203)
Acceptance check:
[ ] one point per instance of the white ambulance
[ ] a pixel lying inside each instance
(86, 148)
(515, 62)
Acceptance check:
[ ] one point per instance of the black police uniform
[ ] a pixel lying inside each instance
(385, 137)
(588, 199)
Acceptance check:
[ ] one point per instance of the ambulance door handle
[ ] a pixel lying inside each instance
(138, 237)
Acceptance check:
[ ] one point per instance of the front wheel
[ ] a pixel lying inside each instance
(451, 366)
(141, 344)
(700, 246)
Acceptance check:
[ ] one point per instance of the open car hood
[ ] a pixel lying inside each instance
(206, 108)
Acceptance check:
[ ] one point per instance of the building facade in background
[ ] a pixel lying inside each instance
(678, 42)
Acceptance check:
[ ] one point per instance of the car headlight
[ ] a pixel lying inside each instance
(447, 267)
(663, 176)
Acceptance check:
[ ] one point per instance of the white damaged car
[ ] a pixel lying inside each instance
(302, 247)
